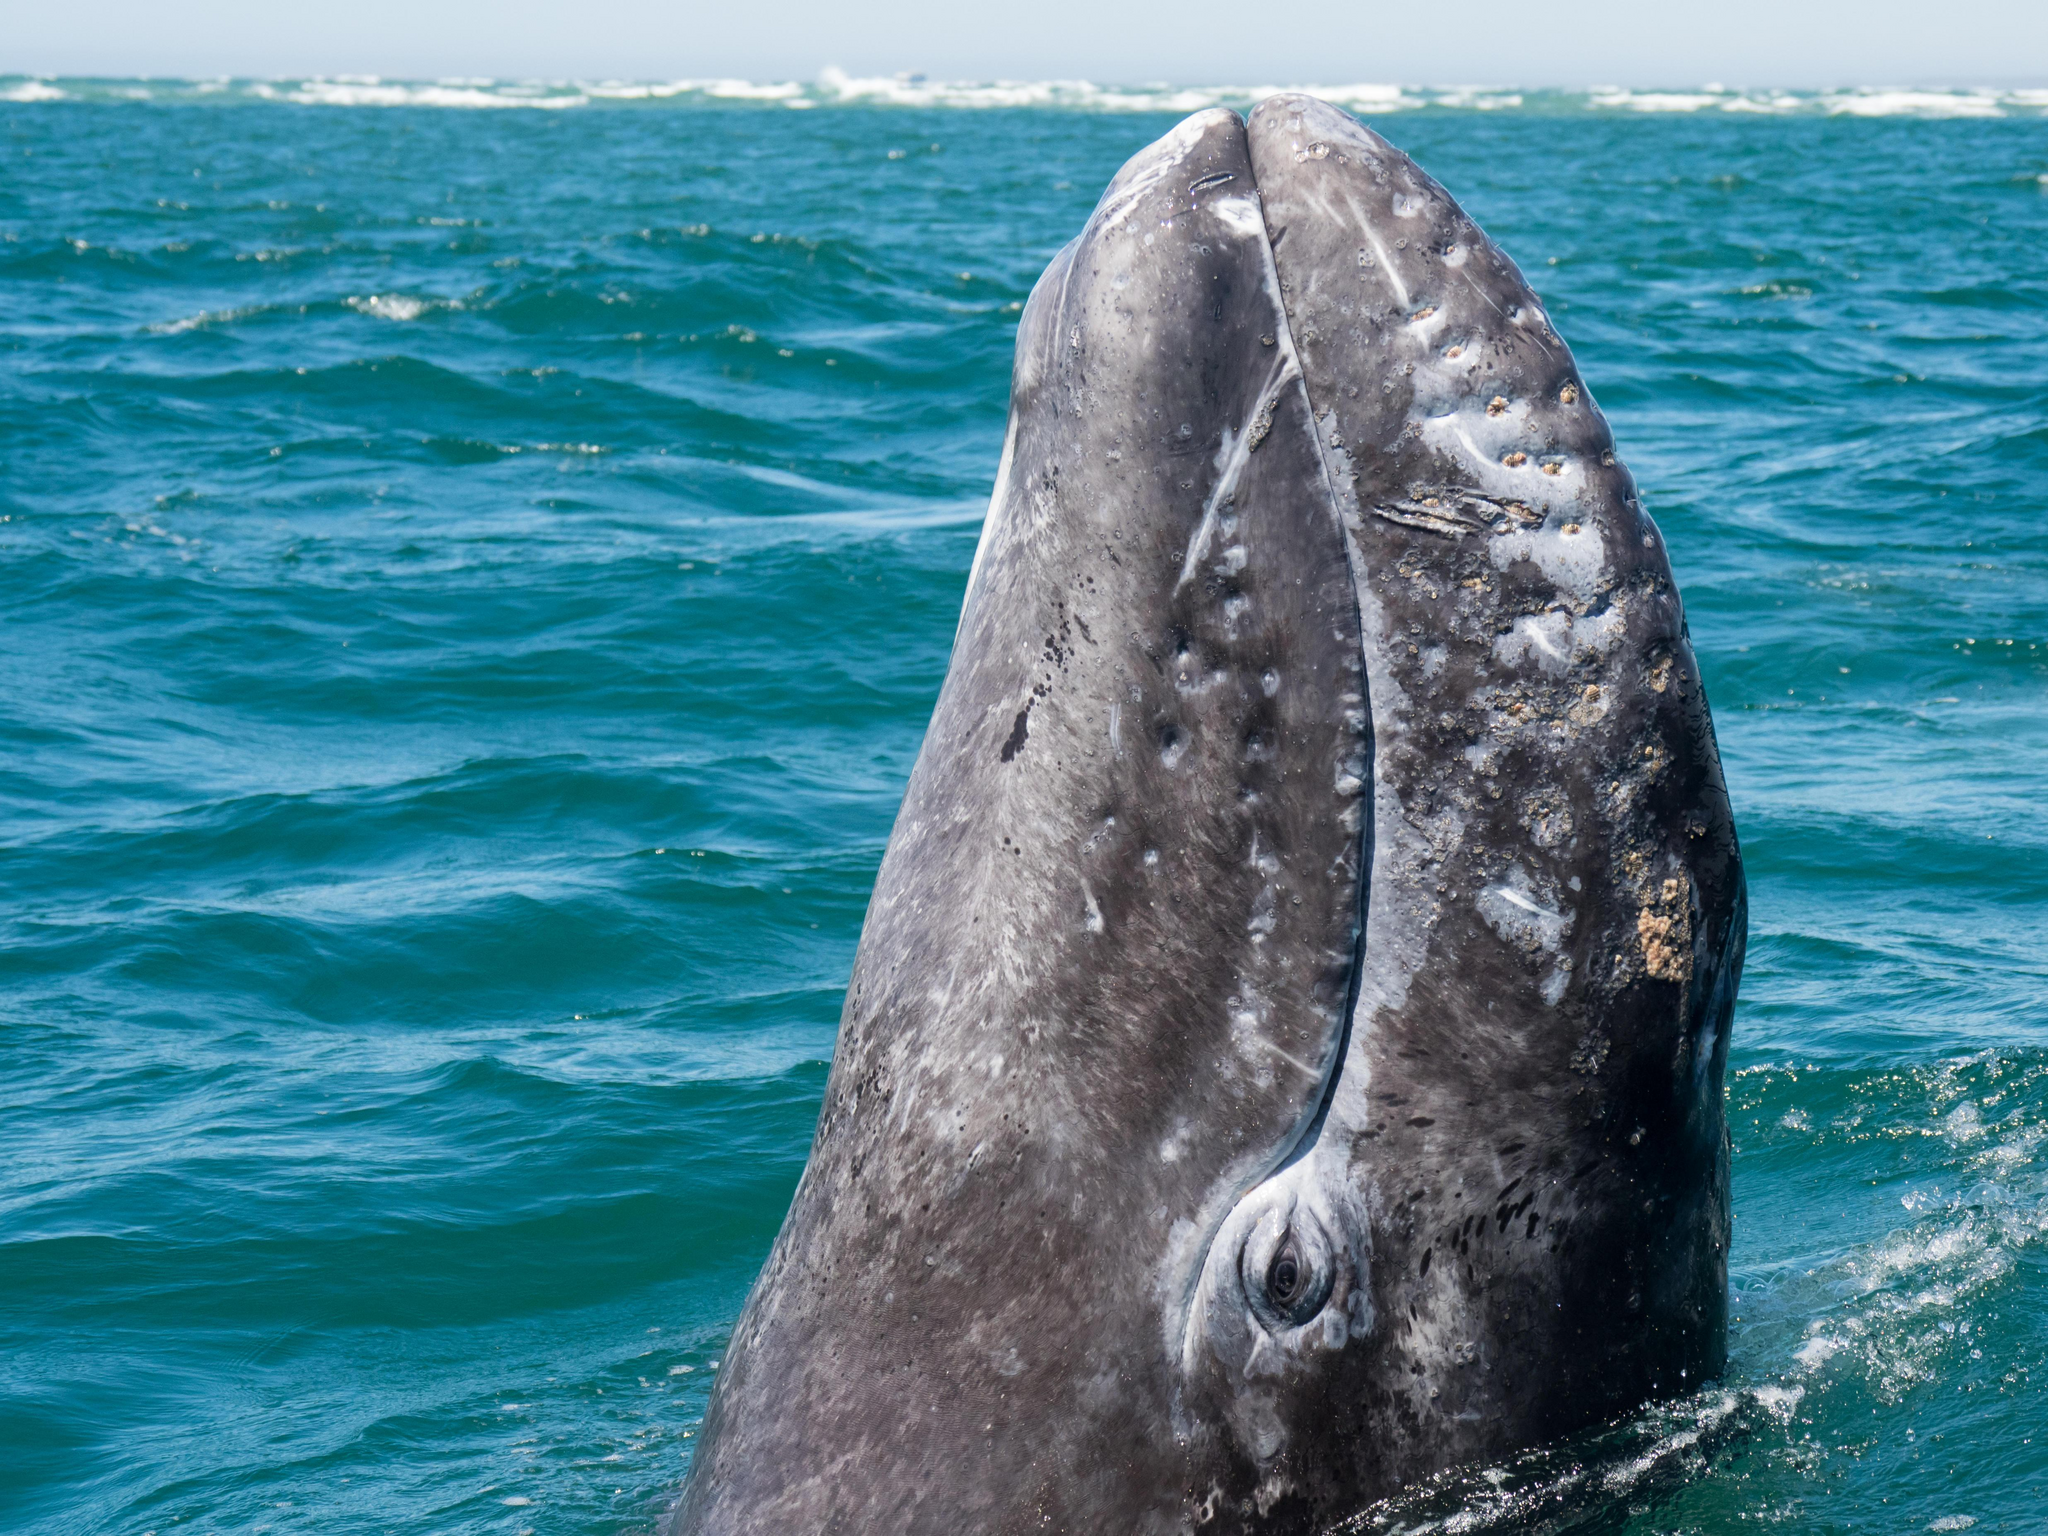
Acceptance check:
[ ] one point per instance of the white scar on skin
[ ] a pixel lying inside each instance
(1386, 262)
(1518, 899)
(1231, 459)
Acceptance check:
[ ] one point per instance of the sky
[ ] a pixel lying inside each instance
(1739, 43)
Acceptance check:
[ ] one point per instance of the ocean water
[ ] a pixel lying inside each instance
(471, 587)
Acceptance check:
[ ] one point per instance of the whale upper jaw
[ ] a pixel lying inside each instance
(1318, 828)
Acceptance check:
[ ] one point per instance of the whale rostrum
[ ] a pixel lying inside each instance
(1284, 1054)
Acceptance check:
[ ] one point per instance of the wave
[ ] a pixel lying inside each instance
(836, 88)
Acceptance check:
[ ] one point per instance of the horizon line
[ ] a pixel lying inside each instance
(831, 75)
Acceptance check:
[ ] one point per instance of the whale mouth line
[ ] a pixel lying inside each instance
(1236, 451)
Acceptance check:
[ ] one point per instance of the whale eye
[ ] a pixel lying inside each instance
(1288, 1269)
(1284, 1281)
(1297, 1281)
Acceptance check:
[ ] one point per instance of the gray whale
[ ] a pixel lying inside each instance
(1284, 1055)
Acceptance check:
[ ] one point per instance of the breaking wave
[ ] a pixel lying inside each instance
(835, 88)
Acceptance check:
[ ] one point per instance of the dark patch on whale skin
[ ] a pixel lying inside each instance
(1019, 733)
(1543, 1145)
(1104, 976)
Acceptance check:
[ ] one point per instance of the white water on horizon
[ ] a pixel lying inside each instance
(834, 87)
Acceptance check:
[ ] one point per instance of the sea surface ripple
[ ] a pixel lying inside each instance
(474, 586)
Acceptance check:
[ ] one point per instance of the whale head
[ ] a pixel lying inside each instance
(1283, 1055)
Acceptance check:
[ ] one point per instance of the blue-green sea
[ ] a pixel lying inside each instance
(472, 584)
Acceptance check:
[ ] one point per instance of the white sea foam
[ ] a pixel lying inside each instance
(203, 318)
(393, 306)
(1919, 103)
(1862, 101)
(372, 92)
(1890, 1311)
(1655, 101)
(836, 87)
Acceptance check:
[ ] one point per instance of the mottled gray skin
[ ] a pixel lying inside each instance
(1103, 980)
(1166, 1180)
(1527, 1136)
